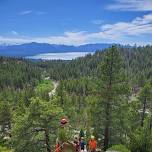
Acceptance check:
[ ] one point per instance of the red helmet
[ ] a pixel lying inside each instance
(63, 121)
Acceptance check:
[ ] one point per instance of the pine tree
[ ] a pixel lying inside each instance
(32, 130)
(112, 87)
(145, 98)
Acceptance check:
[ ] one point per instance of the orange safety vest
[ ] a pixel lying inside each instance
(92, 144)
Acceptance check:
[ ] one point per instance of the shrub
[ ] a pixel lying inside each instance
(119, 148)
(4, 149)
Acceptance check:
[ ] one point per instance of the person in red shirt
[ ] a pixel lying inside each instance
(92, 144)
(57, 146)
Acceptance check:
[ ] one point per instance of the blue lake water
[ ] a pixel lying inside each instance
(61, 56)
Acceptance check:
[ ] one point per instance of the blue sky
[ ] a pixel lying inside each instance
(75, 22)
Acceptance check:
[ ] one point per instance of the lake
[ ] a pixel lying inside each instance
(61, 56)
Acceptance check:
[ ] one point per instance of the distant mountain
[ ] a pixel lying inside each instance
(31, 49)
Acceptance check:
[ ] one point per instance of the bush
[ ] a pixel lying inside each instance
(44, 88)
(63, 137)
(141, 140)
(119, 148)
(4, 149)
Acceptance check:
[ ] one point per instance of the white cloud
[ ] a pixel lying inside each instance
(10, 40)
(14, 32)
(120, 32)
(137, 27)
(67, 38)
(131, 5)
(26, 12)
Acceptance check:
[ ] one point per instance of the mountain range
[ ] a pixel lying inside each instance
(31, 49)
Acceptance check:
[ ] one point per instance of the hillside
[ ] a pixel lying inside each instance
(137, 63)
(92, 93)
(31, 49)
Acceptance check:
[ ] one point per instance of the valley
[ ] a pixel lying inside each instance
(35, 96)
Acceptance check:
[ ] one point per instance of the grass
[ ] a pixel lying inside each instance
(119, 148)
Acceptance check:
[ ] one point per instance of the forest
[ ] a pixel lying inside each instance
(107, 95)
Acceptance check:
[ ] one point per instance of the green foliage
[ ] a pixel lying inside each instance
(87, 86)
(145, 97)
(18, 73)
(119, 148)
(74, 98)
(4, 149)
(146, 92)
(112, 102)
(63, 135)
(45, 85)
(29, 128)
(141, 140)
(140, 135)
(137, 62)
(5, 120)
(44, 88)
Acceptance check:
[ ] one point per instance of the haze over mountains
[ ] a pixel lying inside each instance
(31, 49)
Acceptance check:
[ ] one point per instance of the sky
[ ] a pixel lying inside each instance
(76, 22)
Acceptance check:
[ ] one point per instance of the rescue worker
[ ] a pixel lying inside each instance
(57, 146)
(92, 144)
(82, 144)
(77, 144)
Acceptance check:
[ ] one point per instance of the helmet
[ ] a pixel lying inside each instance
(63, 121)
(92, 137)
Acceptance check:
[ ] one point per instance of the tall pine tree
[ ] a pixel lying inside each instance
(112, 87)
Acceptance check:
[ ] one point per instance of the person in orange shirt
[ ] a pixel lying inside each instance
(92, 144)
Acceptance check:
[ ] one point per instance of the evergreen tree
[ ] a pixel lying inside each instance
(5, 120)
(145, 98)
(112, 87)
(34, 129)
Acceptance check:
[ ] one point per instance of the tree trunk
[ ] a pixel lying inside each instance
(47, 141)
(143, 113)
(150, 126)
(107, 125)
(108, 107)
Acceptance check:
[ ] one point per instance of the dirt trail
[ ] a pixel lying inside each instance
(55, 84)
